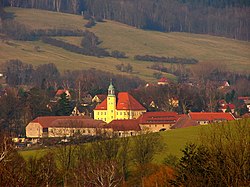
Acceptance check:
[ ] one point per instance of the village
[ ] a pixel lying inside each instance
(120, 115)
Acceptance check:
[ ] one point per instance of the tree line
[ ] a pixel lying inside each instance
(174, 60)
(47, 75)
(221, 18)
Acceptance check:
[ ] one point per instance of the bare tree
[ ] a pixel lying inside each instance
(66, 155)
(12, 165)
(123, 156)
(4, 149)
(97, 165)
(48, 169)
(145, 147)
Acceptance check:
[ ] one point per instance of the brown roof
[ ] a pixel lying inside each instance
(125, 102)
(77, 123)
(183, 122)
(211, 116)
(246, 115)
(46, 121)
(124, 125)
(158, 118)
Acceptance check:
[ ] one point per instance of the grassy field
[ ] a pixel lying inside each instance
(173, 141)
(116, 36)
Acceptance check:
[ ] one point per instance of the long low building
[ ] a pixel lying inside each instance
(203, 118)
(64, 126)
(157, 121)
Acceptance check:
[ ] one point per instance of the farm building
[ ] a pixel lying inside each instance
(63, 126)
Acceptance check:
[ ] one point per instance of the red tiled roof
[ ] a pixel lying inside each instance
(125, 102)
(60, 92)
(243, 98)
(102, 105)
(163, 79)
(158, 118)
(124, 125)
(183, 122)
(230, 106)
(211, 116)
(128, 102)
(46, 121)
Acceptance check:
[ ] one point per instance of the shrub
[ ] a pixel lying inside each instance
(118, 54)
(90, 23)
(166, 59)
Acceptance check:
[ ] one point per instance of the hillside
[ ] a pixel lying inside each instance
(116, 36)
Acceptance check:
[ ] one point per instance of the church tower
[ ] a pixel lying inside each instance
(111, 103)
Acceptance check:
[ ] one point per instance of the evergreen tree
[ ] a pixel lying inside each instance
(64, 107)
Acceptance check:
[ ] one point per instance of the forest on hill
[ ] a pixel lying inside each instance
(228, 18)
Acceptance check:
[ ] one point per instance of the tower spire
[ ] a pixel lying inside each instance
(111, 89)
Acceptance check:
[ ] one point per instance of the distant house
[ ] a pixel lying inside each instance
(163, 81)
(157, 121)
(86, 100)
(149, 85)
(99, 98)
(150, 103)
(222, 103)
(124, 128)
(63, 126)
(62, 91)
(174, 102)
(228, 107)
(78, 111)
(204, 118)
(246, 100)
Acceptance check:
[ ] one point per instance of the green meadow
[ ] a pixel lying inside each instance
(116, 36)
(173, 141)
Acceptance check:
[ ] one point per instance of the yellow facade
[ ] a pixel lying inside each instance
(110, 112)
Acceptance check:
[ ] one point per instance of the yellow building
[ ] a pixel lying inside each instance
(123, 107)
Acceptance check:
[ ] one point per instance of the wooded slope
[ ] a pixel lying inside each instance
(116, 36)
